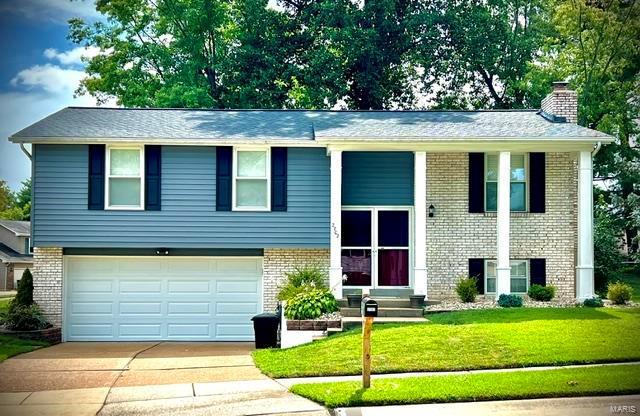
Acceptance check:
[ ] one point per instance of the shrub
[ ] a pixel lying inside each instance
(25, 318)
(542, 293)
(594, 302)
(509, 301)
(24, 297)
(311, 304)
(619, 293)
(301, 280)
(467, 289)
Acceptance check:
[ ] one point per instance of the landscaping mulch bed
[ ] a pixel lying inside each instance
(456, 305)
(51, 335)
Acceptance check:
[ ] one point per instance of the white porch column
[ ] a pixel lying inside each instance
(584, 268)
(420, 223)
(503, 281)
(335, 267)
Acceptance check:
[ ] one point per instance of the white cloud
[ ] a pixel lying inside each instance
(73, 56)
(58, 11)
(49, 78)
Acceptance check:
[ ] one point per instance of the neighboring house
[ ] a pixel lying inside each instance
(179, 224)
(15, 252)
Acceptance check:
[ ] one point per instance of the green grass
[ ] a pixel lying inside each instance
(10, 346)
(619, 379)
(498, 338)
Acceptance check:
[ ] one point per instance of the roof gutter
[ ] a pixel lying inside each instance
(25, 151)
(596, 149)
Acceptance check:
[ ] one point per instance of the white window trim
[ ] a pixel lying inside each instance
(234, 172)
(511, 263)
(29, 246)
(526, 181)
(108, 176)
(374, 248)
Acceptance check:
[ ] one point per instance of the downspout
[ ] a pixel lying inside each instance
(25, 151)
(595, 151)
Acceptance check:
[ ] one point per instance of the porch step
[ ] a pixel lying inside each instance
(385, 312)
(392, 293)
(389, 302)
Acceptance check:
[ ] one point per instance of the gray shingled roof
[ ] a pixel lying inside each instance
(19, 228)
(9, 255)
(96, 123)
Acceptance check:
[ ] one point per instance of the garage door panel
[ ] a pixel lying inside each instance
(188, 308)
(238, 308)
(176, 299)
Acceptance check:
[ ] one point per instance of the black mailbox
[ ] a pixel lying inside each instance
(368, 307)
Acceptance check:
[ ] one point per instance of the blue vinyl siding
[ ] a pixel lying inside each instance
(377, 178)
(188, 218)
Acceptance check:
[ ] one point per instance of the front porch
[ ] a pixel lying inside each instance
(419, 232)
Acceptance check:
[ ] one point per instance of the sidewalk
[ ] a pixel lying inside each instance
(288, 382)
(580, 406)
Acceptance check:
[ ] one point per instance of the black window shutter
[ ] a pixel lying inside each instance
(476, 269)
(536, 182)
(476, 182)
(278, 178)
(224, 166)
(152, 177)
(95, 197)
(538, 272)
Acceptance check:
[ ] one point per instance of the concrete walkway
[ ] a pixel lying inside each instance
(143, 379)
(579, 406)
(288, 382)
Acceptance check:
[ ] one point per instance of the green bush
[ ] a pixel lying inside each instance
(467, 289)
(24, 296)
(301, 280)
(311, 304)
(619, 293)
(509, 301)
(24, 318)
(541, 293)
(594, 302)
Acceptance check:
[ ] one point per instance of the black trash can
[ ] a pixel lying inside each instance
(265, 327)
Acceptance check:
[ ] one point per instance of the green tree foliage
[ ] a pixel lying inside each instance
(24, 295)
(15, 206)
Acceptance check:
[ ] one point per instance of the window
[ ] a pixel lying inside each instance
(27, 246)
(125, 186)
(251, 174)
(518, 182)
(519, 276)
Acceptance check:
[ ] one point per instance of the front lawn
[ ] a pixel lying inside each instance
(498, 338)
(610, 380)
(10, 346)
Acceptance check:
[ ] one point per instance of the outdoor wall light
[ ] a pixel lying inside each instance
(432, 211)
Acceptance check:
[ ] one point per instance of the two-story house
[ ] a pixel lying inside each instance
(179, 224)
(15, 252)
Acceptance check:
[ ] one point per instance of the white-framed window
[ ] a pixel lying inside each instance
(519, 276)
(27, 246)
(519, 175)
(251, 179)
(124, 187)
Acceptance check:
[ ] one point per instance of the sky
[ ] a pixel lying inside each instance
(39, 71)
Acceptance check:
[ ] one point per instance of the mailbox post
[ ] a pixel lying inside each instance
(368, 310)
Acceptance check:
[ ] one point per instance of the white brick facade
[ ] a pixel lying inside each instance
(278, 261)
(47, 282)
(454, 235)
(561, 102)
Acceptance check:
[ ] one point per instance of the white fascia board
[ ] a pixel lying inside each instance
(166, 141)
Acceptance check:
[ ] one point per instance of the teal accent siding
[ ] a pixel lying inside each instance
(188, 218)
(377, 178)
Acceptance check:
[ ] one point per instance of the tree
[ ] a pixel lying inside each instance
(484, 50)
(598, 48)
(7, 199)
(186, 53)
(15, 206)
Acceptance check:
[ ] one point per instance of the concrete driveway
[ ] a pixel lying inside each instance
(199, 378)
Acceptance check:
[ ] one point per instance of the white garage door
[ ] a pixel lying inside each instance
(161, 298)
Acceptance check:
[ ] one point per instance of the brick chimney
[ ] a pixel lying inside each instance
(561, 104)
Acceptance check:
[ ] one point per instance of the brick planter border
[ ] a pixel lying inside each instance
(51, 335)
(311, 325)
